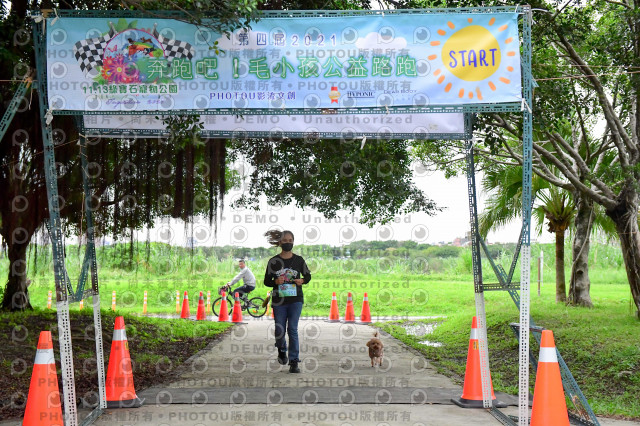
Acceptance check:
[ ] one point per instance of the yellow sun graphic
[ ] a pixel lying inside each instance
(473, 56)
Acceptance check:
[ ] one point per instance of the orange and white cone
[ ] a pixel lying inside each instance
(121, 392)
(43, 403)
(200, 315)
(177, 301)
(236, 316)
(144, 304)
(472, 390)
(334, 315)
(365, 315)
(81, 304)
(349, 314)
(224, 309)
(49, 297)
(113, 300)
(208, 307)
(185, 306)
(549, 405)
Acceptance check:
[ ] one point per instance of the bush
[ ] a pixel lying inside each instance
(443, 251)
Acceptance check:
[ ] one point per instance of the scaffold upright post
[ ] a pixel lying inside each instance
(63, 290)
(91, 253)
(525, 262)
(477, 279)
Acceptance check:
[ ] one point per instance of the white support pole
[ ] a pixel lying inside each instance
(484, 351)
(66, 363)
(97, 324)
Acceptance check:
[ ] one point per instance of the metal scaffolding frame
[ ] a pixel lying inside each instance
(66, 294)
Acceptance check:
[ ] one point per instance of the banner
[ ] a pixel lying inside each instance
(326, 126)
(392, 60)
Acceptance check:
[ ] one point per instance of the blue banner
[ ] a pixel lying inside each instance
(395, 60)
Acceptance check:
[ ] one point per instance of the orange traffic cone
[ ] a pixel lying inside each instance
(81, 304)
(365, 316)
(120, 390)
(334, 315)
(349, 314)
(185, 306)
(43, 403)
(200, 315)
(224, 310)
(236, 315)
(549, 406)
(472, 390)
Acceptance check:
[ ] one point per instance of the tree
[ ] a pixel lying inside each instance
(504, 185)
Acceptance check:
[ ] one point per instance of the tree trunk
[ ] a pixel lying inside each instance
(561, 291)
(16, 294)
(625, 217)
(580, 285)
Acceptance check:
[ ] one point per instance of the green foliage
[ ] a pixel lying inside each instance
(443, 251)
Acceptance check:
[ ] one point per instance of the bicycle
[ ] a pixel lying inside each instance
(253, 306)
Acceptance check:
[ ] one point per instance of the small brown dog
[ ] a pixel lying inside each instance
(376, 350)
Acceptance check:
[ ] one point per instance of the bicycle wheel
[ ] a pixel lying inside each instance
(254, 307)
(216, 305)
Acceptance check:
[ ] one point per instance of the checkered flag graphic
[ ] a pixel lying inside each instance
(89, 52)
(174, 48)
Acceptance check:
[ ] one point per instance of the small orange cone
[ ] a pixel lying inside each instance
(334, 315)
(81, 304)
(365, 316)
(200, 315)
(43, 403)
(185, 306)
(120, 390)
(236, 316)
(144, 303)
(349, 314)
(472, 390)
(549, 405)
(49, 296)
(224, 310)
(177, 301)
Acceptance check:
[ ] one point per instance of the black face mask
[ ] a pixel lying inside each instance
(286, 246)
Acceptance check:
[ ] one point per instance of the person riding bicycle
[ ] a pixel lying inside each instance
(248, 279)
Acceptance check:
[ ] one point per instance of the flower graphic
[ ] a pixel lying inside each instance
(116, 70)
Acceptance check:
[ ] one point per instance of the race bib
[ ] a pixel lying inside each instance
(287, 290)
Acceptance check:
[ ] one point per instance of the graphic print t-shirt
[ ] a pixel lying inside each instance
(289, 270)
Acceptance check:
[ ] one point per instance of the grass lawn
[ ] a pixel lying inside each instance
(600, 345)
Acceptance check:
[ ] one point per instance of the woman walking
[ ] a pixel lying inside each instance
(286, 273)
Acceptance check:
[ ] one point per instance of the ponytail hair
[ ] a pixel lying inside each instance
(274, 236)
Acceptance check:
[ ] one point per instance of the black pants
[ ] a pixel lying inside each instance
(245, 289)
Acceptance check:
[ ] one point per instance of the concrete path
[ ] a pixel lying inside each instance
(238, 381)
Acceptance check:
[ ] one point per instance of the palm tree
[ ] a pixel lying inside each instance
(504, 186)
(558, 209)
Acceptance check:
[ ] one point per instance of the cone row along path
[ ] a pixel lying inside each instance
(237, 380)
